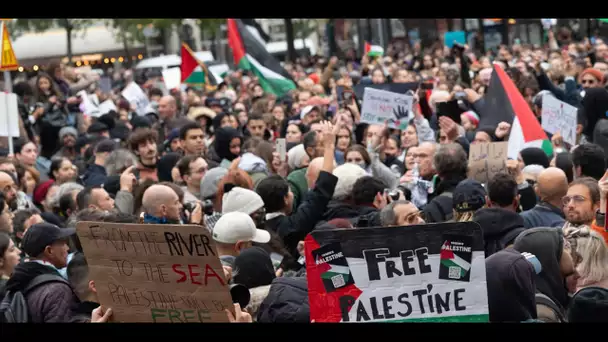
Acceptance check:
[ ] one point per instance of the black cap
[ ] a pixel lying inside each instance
(469, 195)
(212, 101)
(40, 235)
(97, 127)
(106, 145)
(588, 305)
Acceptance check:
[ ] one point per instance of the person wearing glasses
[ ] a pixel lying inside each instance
(582, 201)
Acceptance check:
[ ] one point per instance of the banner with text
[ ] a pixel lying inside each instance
(486, 160)
(429, 273)
(381, 107)
(156, 273)
(558, 116)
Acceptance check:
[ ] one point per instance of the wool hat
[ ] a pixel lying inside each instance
(347, 175)
(241, 200)
(472, 116)
(593, 72)
(67, 130)
(236, 226)
(210, 181)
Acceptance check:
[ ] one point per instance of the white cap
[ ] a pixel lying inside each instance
(235, 226)
(305, 111)
(241, 200)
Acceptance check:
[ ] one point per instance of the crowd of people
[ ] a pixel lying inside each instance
(208, 157)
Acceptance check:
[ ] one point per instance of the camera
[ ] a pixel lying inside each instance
(206, 205)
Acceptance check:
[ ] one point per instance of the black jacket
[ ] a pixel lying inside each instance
(286, 302)
(344, 210)
(294, 228)
(94, 175)
(439, 207)
(499, 226)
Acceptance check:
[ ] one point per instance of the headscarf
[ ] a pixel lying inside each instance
(223, 137)
(547, 244)
(534, 155)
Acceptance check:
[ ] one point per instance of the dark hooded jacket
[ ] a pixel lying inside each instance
(547, 244)
(341, 209)
(511, 287)
(600, 135)
(589, 304)
(534, 155)
(287, 302)
(439, 207)
(593, 108)
(221, 144)
(50, 302)
(165, 165)
(499, 226)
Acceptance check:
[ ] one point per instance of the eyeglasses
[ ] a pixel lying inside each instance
(576, 198)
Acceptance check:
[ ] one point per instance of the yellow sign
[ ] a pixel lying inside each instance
(8, 60)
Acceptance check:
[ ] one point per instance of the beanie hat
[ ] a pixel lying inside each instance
(472, 116)
(67, 130)
(241, 200)
(41, 190)
(593, 72)
(347, 175)
(210, 181)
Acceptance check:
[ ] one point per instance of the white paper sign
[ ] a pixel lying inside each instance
(107, 106)
(90, 107)
(172, 78)
(9, 115)
(380, 106)
(136, 96)
(558, 116)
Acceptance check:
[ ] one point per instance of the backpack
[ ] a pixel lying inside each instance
(547, 302)
(13, 307)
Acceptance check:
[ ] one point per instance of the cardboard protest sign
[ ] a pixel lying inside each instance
(381, 107)
(136, 96)
(427, 273)
(156, 273)
(487, 159)
(558, 116)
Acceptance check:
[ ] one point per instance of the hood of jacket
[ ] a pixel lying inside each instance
(511, 287)
(286, 302)
(593, 107)
(25, 272)
(223, 137)
(251, 163)
(547, 244)
(499, 226)
(340, 209)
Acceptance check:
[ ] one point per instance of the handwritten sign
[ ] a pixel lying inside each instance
(558, 116)
(380, 106)
(430, 273)
(156, 273)
(486, 160)
(136, 96)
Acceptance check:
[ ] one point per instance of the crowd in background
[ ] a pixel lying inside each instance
(207, 156)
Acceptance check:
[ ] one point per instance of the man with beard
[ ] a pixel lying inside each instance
(143, 143)
(582, 201)
(67, 141)
(8, 187)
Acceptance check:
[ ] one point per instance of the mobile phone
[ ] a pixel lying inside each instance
(426, 86)
(281, 148)
(347, 97)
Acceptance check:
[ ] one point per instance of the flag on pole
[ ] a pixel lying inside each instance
(504, 102)
(250, 54)
(194, 72)
(373, 50)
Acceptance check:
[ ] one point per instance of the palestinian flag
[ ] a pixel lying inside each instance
(373, 50)
(504, 102)
(194, 72)
(250, 54)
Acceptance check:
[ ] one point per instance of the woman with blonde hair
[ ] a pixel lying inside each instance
(590, 256)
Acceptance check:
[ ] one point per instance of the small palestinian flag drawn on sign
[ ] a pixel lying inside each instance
(456, 254)
(332, 265)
